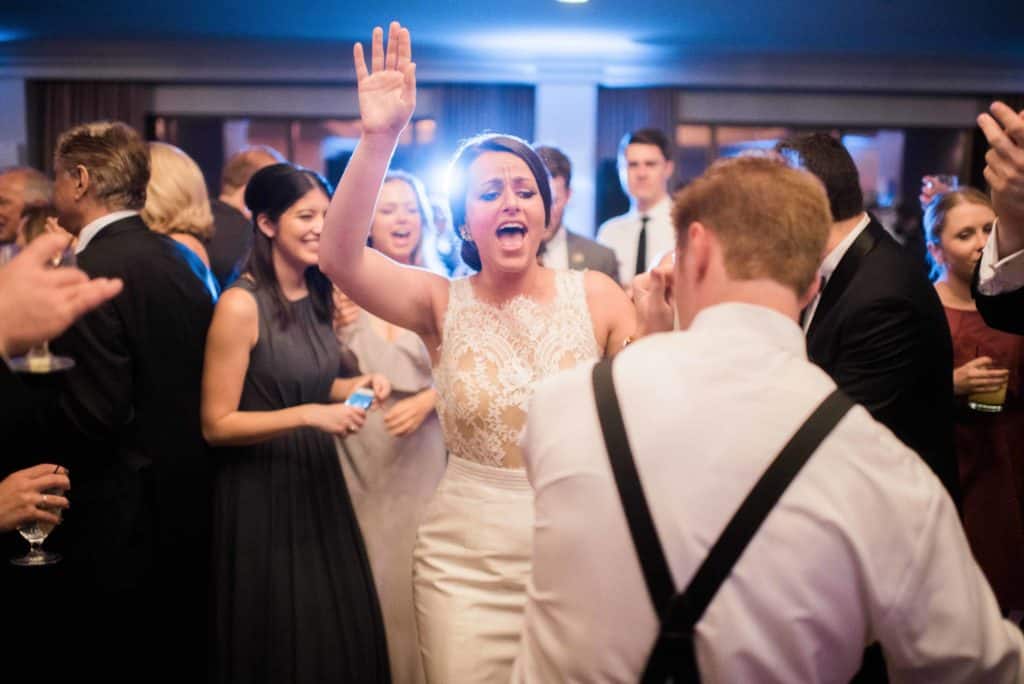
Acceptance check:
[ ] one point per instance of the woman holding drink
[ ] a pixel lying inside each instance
(491, 338)
(987, 381)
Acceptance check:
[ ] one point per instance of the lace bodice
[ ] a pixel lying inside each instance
(493, 356)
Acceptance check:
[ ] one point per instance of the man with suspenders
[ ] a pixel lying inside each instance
(717, 510)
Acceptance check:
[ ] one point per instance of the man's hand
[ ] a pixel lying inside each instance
(652, 296)
(1004, 172)
(387, 91)
(38, 302)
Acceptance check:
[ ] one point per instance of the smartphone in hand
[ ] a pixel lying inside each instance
(361, 398)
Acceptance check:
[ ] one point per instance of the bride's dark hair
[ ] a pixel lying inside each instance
(467, 153)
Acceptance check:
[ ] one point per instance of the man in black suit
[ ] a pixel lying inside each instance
(232, 230)
(999, 280)
(877, 326)
(562, 247)
(125, 420)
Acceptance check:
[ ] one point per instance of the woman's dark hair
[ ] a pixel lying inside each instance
(270, 192)
(458, 179)
(35, 216)
(935, 218)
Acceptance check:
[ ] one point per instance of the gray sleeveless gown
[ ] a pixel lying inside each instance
(391, 479)
(294, 599)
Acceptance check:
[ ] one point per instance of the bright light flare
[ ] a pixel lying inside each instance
(583, 44)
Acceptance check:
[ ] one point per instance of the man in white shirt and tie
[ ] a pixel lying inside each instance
(864, 544)
(640, 236)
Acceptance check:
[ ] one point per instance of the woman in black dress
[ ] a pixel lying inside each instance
(294, 600)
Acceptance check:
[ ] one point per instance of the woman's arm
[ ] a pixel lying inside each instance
(233, 333)
(611, 311)
(403, 295)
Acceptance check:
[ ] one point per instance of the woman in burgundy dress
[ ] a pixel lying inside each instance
(989, 445)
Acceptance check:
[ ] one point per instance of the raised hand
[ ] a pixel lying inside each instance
(1004, 171)
(387, 91)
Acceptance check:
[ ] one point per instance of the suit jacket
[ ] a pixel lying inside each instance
(1002, 311)
(232, 239)
(125, 420)
(879, 330)
(585, 253)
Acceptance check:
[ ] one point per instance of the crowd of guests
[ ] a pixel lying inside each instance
(511, 507)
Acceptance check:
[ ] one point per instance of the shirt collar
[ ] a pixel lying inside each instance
(93, 228)
(748, 321)
(829, 264)
(661, 210)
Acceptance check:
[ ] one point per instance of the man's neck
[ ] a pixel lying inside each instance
(839, 231)
(90, 213)
(761, 292)
(236, 200)
(644, 206)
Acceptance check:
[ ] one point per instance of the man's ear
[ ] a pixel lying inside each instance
(670, 169)
(698, 249)
(83, 181)
(810, 293)
(266, 226)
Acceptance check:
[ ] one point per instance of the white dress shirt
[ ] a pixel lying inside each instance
(556, 251)
(831, 261)
(864, 545)
(622, 233)
(94, 227)
(999, 275)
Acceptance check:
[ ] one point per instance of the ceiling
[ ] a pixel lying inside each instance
(609, 31)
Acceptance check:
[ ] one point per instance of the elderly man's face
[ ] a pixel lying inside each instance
(12, 201)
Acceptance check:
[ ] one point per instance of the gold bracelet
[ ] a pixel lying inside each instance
(626, 342)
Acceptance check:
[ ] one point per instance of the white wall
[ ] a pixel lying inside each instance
(566, 117)
(13, 124)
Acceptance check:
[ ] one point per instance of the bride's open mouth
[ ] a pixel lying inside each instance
(511, 236)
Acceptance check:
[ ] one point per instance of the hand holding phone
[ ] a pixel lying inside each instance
(361, 398)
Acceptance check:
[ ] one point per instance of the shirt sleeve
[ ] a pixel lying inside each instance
(944, 624)
(999, 275)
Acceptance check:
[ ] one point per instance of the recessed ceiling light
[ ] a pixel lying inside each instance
(573, 2)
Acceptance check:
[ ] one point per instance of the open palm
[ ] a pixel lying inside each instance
(387, 91)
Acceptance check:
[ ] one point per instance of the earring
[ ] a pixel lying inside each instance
(464, 233)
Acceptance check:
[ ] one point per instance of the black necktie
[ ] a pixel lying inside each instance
(641, 246)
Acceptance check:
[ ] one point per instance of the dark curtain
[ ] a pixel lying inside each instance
(470, 109)
(619, 111)
(55, 106)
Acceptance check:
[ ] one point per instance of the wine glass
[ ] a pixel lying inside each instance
(35, 533)
(39, 359)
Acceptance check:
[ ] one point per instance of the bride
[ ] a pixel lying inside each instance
(492, 337)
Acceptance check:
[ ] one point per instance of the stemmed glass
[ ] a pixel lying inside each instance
(39, 359)
(36, 532)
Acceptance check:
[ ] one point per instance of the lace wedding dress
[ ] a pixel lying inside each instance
(472, 556)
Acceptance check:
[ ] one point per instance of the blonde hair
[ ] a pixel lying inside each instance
(176, 197)
(116, 158)
(773, 221)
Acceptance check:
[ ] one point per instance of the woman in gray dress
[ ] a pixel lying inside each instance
(393, 465)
